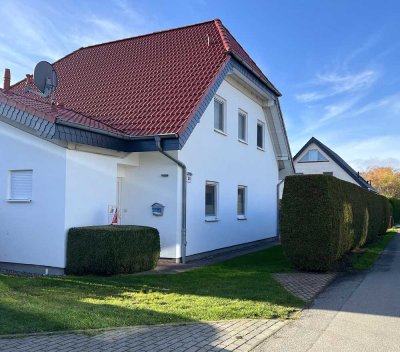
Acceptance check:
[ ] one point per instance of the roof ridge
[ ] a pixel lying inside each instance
(125, 39)
(147, 34)
(222, 32)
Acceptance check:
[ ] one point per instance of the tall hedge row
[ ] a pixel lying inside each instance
(323, 217)
(109, 250)
(395, 202)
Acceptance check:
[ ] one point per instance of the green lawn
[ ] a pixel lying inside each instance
(239, 288)
(364, 259)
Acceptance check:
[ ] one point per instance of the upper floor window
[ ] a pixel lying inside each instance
(260, 135)
(242, 126)
(313, 155)
(219, 115)
(20, 186)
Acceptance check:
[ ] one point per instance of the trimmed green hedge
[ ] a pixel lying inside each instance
(395, 202)
(323, 217)
(109, 250)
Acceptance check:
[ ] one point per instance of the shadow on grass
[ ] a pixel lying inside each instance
(24, 318)
(238, 288)
(33, 321)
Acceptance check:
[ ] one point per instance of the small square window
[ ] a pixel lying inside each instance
(211, 200)
(241, 202)
(219, 115)
(20, 187)
(242, 126)
(260, 135)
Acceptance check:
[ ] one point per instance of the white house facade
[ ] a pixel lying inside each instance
(316, 158)
(216, 176)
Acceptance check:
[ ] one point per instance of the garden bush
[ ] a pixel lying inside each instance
(323, 217)
(108, 250)
(395, 202)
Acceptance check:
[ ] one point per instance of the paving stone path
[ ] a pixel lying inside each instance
(230, 335)
(305, 285)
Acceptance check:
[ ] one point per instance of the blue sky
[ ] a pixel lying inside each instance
(337, 62)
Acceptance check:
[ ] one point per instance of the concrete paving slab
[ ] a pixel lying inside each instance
(359, 312)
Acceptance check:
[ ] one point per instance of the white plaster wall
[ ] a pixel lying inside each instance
(211, 156)
(32, 233)
(142, 186)
(321, 166)
(92, 186)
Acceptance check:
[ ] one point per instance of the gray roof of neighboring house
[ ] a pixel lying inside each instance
(338, 160)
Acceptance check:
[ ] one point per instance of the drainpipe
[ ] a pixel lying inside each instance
(157, 139)
(278, 209)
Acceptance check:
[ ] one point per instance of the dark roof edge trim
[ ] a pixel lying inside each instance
(75, 133)
(112, 134)
(262, 79)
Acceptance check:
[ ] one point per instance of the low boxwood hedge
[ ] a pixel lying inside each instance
(323, 217)
(109, 250)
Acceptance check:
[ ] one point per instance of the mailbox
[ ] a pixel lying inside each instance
(157, 209)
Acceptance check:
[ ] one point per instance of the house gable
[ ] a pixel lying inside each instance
(334, 164)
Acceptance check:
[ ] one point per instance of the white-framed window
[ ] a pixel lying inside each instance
(241, 202)
(242, 126)
(211, 201)
(313, 155)
(260, 135)
(20, 185)
(220, 115)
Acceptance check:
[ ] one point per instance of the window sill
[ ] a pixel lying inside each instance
(315, 161)
(262, 149)
(211, 219)
(220, 132)
(18, 200)
(242, 217)
(242, 141)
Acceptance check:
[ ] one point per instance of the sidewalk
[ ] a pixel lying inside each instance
(231, 335)
(359, 312)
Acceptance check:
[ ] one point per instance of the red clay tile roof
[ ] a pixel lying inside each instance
(146, 85)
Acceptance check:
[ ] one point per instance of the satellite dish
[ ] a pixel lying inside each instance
(45, 78)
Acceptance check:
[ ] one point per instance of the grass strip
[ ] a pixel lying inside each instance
(366, 257)
(239, 288)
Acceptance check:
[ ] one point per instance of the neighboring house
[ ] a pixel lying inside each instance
(316, 158)
(182, 117)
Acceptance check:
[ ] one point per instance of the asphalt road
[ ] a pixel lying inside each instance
(358, 312)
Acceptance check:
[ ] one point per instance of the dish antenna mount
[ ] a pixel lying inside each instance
(45, 79)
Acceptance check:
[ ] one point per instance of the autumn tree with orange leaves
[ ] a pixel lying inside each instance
(386, 180)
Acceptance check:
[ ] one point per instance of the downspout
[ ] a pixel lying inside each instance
(157, 139)
(278, 213)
